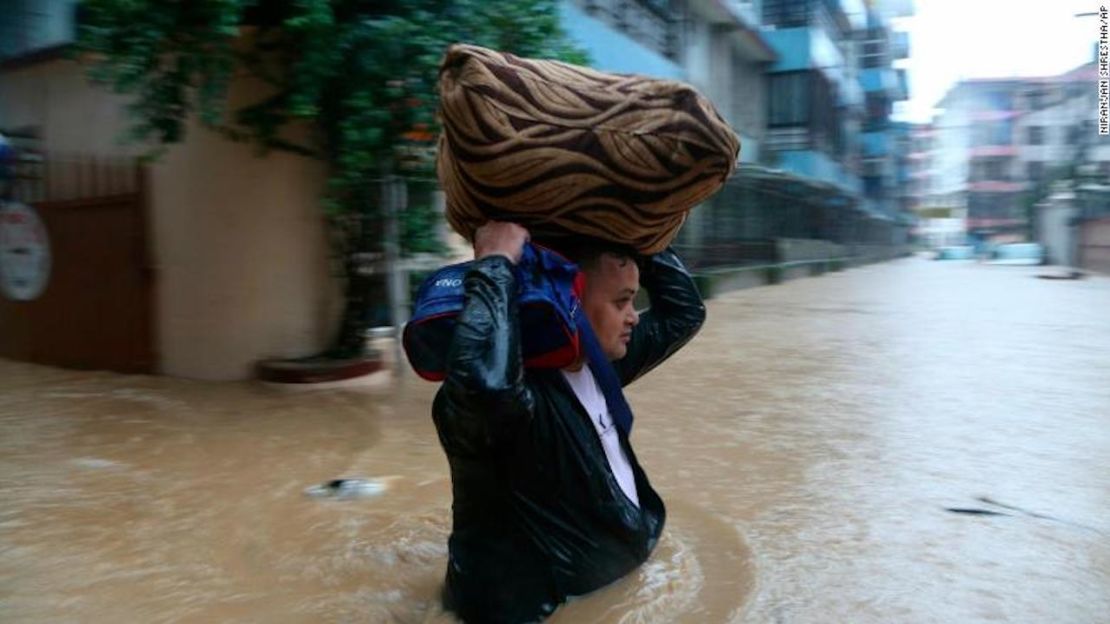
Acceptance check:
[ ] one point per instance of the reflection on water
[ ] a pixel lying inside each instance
(809, 444)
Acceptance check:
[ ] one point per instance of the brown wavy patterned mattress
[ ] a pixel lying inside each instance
(567, 150)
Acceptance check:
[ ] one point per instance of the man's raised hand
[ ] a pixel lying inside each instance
(500, 238)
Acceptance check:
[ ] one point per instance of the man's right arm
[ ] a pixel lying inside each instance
(484, 392)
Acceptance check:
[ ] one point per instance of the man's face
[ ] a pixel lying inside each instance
(611, 286)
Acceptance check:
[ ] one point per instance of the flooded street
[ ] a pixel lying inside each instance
(908, 442)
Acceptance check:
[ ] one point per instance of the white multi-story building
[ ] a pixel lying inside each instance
(1000, 142)
(1058, 127)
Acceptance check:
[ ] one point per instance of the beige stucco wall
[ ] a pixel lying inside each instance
(238, 241)
(71, 115)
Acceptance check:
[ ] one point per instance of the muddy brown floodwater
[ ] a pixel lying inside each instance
(811, 444)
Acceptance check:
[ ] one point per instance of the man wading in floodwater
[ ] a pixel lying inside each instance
(549, 500)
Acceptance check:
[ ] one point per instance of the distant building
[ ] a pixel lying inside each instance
(982, 126)
(939, 222)
(1057, 126)
(815, 99)
(881, 170)
(1000, 143)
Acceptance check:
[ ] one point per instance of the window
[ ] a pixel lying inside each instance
(989, 205)
(999, 100)
(789, 99)
(996, 169)
(1035, 135)
(991, 134)
(787, 13)
(825, 117)
(1001, 133)
(878, 110)
(873, 51)
(873, 61)
(872, 168)
(989, 169)
(1035, 169)
(975, 172)
(978, 205)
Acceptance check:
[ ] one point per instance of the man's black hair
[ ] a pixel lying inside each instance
(586, 252)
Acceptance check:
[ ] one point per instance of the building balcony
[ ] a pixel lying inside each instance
(746, 10)
(876, 144)
(976, 223)
(992, 115)
(805, 47)
(880, 79)
(900, 44)
(850, 95)
(820, 166)
(993, 151)
(995, 186)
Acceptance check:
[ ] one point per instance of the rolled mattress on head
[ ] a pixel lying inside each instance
(566, 150)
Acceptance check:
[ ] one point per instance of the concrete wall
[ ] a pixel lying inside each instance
(239, 243)
(720, 88)
(1094, 240)
(1055, 231)
(749, 107)
(803, 249)
(737, 86)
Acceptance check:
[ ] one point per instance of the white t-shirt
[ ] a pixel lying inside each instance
(589, 395)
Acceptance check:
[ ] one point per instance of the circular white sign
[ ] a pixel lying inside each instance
(24, 252)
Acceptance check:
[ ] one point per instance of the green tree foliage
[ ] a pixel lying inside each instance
(359, 74)
(363, 72)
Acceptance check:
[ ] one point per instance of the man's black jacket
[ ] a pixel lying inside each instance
(538, 514)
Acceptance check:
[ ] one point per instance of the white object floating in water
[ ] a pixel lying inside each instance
(95, 462)
(347, 489)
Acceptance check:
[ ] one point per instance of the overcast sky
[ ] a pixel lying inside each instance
(955, 39)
